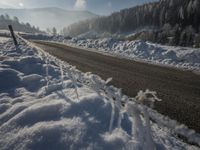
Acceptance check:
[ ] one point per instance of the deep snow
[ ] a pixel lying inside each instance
(46, 104)
(180, 57)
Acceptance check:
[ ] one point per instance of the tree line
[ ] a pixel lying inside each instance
(177, 22)
(6, 20)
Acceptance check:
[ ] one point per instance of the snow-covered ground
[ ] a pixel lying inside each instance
(4, 31)
(180, 57)
(3, 39)
(46, 104)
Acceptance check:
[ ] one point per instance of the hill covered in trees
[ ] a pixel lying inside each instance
(177, 22)
(6, 20)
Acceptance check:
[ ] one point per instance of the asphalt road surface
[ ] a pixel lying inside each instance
(179, 90)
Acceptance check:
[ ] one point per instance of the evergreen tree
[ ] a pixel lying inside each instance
(54, 31)
(182, 15)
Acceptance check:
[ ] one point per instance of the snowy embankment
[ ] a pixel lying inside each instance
(48, 104)
(180, 57)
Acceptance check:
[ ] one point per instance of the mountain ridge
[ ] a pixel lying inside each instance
(46, 8)
(48, 17)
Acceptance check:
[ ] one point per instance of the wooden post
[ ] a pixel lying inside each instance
(13, 35)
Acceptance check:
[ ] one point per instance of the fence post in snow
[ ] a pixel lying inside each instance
(13, 35)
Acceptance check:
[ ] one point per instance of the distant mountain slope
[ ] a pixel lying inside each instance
(48, 17)
(177, 21)
(6, 20)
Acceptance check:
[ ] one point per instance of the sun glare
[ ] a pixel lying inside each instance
(21, 4)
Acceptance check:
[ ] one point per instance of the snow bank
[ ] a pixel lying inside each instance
(180, 57)
(9, 78)
(89, 35)
(48, 104)
(3, 39)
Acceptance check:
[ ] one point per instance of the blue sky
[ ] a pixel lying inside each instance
(95, 6)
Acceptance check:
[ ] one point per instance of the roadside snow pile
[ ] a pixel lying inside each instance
(89, 35)
(181, 57)
(3, 39)
(140, 30)
(46, 104)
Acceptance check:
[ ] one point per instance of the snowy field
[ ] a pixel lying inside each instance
(46, 104)
(179, 57)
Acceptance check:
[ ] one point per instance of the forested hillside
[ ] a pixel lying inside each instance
(6, 20)
(177, 22)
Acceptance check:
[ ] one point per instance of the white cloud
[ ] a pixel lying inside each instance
(11, 4)
(21, 4)
(80, 4)
(5, 4)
